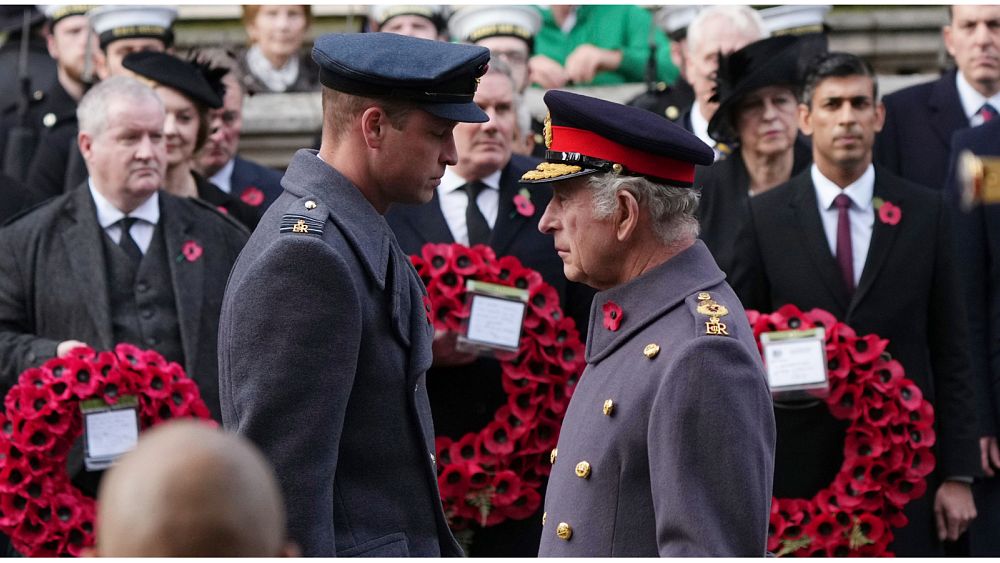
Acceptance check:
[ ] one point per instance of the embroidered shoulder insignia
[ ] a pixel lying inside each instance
(708, 307)
(301, 224)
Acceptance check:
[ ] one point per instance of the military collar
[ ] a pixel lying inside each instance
(364, 228)
(647, 297)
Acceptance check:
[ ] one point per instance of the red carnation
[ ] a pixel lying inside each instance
(612, 315)
(251, 195)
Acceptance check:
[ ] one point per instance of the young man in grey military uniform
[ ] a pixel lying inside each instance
(338, 402)
(667, 446)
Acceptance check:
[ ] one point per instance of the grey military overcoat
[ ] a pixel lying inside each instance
(667, 447)
(323, 349)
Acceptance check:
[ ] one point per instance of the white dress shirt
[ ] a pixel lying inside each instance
(142, 230)
(861, 214)
(972, 101)
(224, 177)
(454, 202)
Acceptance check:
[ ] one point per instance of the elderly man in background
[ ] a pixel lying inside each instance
(218, 160)
(413, 20)
(58, 166)
(715, 30)
(189, 490)
(920, 120)
(667, 445)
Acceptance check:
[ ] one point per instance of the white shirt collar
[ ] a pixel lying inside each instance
(860, 192)
(972, 101)
(224, 177)
(451, 181)
(108, 214)
(699, 126)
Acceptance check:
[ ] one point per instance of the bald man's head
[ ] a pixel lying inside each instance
(190, 490)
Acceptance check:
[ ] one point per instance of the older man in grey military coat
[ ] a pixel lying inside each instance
(667, 445)
(325, 342)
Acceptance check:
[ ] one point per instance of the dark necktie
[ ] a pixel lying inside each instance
(127, 243)
(479, 229)
(988, 112)
(845, 257)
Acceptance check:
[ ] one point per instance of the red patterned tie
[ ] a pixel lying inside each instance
(845, 257)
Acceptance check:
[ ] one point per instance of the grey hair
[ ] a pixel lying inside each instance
(92, 113)
(743, 21)
(671, 208)
(497, 65)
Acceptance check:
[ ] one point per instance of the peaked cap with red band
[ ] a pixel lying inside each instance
(585, 135)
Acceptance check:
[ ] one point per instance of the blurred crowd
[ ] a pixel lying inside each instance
(102, 201)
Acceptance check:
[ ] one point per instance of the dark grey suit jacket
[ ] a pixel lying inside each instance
(54, 284)
(247, 173)
(338, 403)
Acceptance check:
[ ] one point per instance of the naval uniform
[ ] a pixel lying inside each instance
(668, 443)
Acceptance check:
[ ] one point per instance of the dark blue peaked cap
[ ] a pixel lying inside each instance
(441, 78)
(585, 135)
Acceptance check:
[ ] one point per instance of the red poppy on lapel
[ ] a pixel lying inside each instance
(612, 315)
(191, 250)
(251, 195)
(523, 205)
(889, 213)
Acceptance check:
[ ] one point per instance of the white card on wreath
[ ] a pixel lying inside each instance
(496, 316)
(109, 431)
(795, 360)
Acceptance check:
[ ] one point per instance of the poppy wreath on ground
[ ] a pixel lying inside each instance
(887, 448)
(495, 474)
(41, 510)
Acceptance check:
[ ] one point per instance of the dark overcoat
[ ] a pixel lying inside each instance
(665, 451)
(908, 293)
(54, 283)
(919, 122)
(978, 252)
(247, 173)
(324, 347)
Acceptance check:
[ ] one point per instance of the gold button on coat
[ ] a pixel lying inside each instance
(609, 407)
(564, 531)
(552, 456)
(583, 470)
(651, 350)
(310, 205)
(544, 516)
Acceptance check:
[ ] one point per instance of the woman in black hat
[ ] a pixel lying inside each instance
(757, 90)
(188, 90)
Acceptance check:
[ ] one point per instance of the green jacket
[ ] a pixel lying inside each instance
(617, 27)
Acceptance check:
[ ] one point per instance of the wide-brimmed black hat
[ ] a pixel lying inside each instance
(186, 77)
(775, 61)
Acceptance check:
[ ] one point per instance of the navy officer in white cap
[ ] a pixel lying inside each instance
(338, 402)
(667, 447)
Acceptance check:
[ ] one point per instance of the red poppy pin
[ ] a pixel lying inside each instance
(522, 203)
(191, 251)
(612, 315)
(888, 213)
(251, 195)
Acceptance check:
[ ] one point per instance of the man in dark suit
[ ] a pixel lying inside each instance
(41, 68)
(324, 288)
(217, 161)
(116, 260)
(818, 241)
(465, 392)
(920, 120)
(978, 254)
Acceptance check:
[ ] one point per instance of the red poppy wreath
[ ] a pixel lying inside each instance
(41, 510)
(495, 474)
(887, 449)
